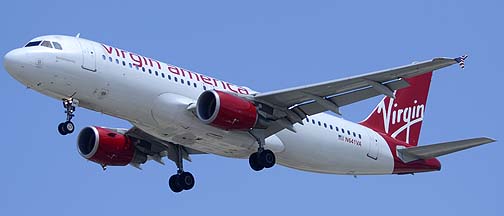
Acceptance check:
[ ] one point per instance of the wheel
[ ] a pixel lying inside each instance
(69, 127)
(267, 158)
(61, 129)
(254, 162)
(175, 184)
(186, 180)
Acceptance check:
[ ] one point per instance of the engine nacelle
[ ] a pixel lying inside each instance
(107, 147)
(226, 111)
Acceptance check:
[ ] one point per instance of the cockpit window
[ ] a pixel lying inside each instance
(46, 44)
(57, 45)
(33, 43)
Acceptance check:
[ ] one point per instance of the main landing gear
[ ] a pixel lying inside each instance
(182, 180)
(68, 127)
(263, 158)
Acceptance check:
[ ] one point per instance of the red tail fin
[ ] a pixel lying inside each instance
(401, 118)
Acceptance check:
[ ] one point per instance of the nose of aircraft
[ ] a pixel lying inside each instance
(12, 59)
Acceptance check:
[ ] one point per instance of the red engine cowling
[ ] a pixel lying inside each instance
(226, 111)
(107, 147)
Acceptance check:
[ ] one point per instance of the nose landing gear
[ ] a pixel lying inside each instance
(68, 127)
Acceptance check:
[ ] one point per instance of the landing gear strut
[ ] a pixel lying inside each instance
(263, 158)
(182, 180)
(68, 127)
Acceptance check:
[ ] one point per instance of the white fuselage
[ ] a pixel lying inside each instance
(101, 78)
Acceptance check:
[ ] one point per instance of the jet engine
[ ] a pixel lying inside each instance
(107, 147)
(226, 111)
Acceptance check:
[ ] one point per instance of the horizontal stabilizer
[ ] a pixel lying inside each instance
(440, 149)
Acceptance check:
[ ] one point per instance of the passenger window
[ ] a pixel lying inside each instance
(150, 71)
(169, 77)
(33, 43)
(348, 132)
(182, 81)
(131, 66)
(342, 130)
(354, 134)
(58, 46)
(204, 88)
(175, 79)
(117, 61)
(188, 83)
(162, 75)
(319, 124)
(110, 59)
(46, 44)
(360, 137)
(330, 126)
(103, 57)
(124, 63)
(195, 86)
(325, 125)
(143, 69)
(337, 129)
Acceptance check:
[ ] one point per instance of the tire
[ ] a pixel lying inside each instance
(186, 180)
(267, 158)
(254, 162)
(174, 184)
(69, 127)
(61, 129)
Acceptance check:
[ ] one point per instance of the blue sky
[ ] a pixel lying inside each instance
(265, 45)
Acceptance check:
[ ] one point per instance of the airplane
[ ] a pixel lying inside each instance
(177, 113)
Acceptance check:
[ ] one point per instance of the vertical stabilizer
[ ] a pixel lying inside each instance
(401, 118)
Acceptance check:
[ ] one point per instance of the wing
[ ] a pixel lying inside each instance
(330, 95)
(288, 106)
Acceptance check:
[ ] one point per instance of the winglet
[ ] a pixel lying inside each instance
(460, 60)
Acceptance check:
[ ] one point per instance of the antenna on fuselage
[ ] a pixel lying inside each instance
(78, 35)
